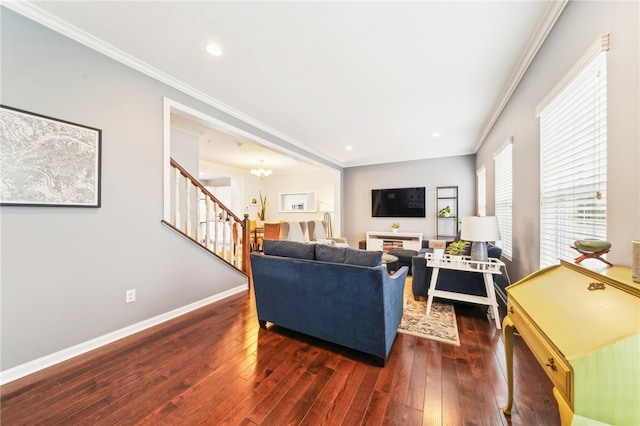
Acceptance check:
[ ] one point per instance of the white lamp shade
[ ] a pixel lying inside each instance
(480, 228)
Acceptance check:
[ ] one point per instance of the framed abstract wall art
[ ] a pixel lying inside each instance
(45, 161)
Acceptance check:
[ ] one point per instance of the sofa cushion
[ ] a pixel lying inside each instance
(327, 253)
(348, 255)
(494, 251)
(363, 257)
(293, 249)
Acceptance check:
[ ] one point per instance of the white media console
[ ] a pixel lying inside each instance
(385, 241)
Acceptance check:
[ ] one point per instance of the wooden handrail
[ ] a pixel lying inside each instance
(224, 246)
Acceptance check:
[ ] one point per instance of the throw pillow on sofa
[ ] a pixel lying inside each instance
(292, 249)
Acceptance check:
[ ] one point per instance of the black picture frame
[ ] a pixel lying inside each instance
(45, 161)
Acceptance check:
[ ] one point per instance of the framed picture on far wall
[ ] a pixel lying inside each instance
(253, 201)
(48, 162)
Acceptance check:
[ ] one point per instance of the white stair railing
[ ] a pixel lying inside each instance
(201, 217)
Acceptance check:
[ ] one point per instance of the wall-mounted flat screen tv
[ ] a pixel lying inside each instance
(398, 202)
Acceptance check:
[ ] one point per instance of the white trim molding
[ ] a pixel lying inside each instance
(598, 46)
(79, 349)
(553, 12)
(497, 152)
(59, 25)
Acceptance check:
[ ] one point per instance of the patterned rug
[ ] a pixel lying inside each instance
(440, 325)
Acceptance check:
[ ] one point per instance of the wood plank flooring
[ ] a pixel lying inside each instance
(215, 366)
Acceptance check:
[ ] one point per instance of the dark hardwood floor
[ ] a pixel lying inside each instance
(216, 366)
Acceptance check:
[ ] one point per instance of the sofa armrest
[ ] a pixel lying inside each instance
(394, 305)
(419, 282)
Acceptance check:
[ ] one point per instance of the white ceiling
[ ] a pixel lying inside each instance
(379, 76)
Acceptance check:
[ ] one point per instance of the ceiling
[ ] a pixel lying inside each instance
(381, 77)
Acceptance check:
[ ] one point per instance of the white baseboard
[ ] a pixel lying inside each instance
(79, 349)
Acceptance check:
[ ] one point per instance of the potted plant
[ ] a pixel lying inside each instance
(263, 207)
(445, 212)
(395, 226)
(456, 248)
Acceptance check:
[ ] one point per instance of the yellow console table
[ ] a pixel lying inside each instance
(584, 329)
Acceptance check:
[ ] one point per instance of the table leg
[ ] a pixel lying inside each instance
(507, 333)
(432, 287)
(491, 294)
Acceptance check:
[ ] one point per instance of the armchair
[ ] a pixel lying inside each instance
(318, 232)
(293, 231)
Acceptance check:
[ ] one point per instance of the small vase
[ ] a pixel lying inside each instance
(395, 230)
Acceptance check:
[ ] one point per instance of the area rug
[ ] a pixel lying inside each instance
(440, 325)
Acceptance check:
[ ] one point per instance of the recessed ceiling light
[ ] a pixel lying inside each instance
(214, 49)
(348, 147)
(435, 134)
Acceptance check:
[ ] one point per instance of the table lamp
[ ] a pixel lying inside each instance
(479, 230)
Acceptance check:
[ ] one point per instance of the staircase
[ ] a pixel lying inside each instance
(200, 217)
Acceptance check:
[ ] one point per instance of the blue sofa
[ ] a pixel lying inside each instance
(449, 280)
(338, 294)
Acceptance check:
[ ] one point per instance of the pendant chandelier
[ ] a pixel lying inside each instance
(261, 172)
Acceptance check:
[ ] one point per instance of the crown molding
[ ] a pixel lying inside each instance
(600, 45)
(553, 12)
(36, 14)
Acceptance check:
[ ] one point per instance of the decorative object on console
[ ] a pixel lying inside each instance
(261, 172)
(479, 230)
(591, 249)
(395, 226)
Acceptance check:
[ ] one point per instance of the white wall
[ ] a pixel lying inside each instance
(325, 183)
(577, 28)
(184, 149)
(359, 181)
(64, 271)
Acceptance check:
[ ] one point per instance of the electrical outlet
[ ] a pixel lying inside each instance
(131, 295)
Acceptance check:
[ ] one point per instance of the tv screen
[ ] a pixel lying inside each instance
(398, 202)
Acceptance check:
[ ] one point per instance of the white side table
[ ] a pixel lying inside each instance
(464, 263)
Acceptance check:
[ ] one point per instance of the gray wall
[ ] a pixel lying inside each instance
(577, 28)
(359, 181)
(64, 271)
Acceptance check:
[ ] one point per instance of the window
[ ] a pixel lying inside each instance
(482, 191)
(503, 159)
(573, 161)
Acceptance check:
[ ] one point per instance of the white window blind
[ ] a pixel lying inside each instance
(503, 165)
(573, 163)
(481, 180)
